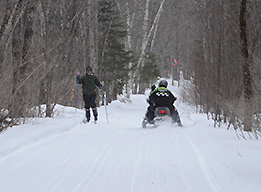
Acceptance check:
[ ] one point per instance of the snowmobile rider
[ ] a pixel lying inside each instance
(162, 97)
(88, 81)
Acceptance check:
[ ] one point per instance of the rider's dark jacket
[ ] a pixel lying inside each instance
(161, 97)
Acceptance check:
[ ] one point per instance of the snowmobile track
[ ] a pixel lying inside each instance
(205, 167)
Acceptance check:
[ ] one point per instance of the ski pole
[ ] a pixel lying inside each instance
(77, 95)
(105, 105)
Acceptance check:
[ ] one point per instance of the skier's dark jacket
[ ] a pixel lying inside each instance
(88, 83)
(161, 97)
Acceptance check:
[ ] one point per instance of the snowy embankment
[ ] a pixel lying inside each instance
(60, 154)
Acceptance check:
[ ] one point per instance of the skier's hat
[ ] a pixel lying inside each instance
(88, 68)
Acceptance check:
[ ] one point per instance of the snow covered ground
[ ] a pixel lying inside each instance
(62, 155)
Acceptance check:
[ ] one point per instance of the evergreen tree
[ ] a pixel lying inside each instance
(113, 57)
(149, 72)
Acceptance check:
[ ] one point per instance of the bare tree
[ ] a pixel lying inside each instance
(246, 67)
(43, 44)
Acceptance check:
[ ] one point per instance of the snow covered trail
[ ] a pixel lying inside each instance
(63, 155)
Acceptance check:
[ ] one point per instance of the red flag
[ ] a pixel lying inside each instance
(175, 62)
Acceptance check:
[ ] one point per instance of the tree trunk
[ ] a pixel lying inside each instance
(48, 68)
(246, 68)
(146, 36)
(93, 24)
(129, 47)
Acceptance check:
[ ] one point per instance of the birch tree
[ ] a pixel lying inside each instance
(145, 39)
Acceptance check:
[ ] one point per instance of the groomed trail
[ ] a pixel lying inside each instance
(62, 155)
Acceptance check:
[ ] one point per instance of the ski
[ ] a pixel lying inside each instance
(86, 122)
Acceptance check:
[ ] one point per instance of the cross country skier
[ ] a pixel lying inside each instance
(88, 81)
(162, 97)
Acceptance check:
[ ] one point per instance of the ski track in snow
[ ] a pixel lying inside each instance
(116, 157)
(137, 162)
(75, 157)
(96, 161)
(68, 163)
(31, 142)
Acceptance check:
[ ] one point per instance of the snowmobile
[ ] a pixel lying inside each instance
(160, 113)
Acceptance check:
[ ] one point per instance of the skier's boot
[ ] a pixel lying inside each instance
(95, 114)
(88, 115)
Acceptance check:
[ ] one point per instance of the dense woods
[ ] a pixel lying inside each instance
(215, 45)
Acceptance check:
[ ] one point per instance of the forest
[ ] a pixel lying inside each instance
(215, 45)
